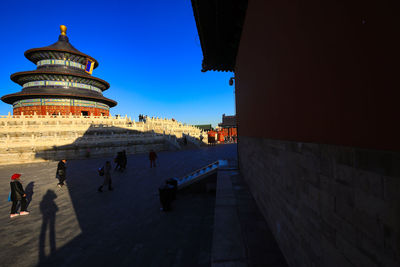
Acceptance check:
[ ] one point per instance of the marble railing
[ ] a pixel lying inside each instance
(26, 138)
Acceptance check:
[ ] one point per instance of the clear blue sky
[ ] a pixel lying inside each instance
(149, 51)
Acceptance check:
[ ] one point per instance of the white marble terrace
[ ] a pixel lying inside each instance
(23, 136)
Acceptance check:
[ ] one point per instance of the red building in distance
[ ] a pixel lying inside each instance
(228, 126)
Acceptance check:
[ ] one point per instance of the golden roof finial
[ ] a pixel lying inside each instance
(63, 29)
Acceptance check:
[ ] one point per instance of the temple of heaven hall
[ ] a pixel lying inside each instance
(61, 84)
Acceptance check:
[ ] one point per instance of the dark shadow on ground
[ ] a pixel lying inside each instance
(29, 193)
(48, 208)
(125, 227)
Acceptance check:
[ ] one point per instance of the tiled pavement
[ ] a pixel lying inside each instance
(78, 226)
(120, 228)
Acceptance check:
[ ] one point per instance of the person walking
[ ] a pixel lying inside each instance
(152, 157)
(107, 177)
(61, 173)
(17, 194)
(118, 161)
(124, 160)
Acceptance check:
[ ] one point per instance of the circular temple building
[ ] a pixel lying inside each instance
(61, 84)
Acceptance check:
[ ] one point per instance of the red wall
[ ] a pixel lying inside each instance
(320, 71)
(63, 110)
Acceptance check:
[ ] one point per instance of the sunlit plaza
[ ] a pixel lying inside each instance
(79, 226)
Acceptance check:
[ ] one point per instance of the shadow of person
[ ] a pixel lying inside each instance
(29, 193)
(48, 208)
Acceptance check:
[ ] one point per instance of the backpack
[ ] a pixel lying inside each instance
(101, 171)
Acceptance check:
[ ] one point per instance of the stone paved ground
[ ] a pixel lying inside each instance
(120, 228)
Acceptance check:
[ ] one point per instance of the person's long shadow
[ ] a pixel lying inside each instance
(48, 208)
(29, 193)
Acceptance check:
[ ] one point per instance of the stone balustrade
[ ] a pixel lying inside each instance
(31, 138)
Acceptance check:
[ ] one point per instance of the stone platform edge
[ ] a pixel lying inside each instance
(228, 245)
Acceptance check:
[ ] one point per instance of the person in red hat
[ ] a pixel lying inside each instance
(17, 194)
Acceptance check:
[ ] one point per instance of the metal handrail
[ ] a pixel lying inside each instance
(196, 171)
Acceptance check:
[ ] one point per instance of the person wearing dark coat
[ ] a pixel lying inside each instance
(152, 158)
(124, 160)
(17, 194)
(107, 177)
(118, 161)
(61, 173)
